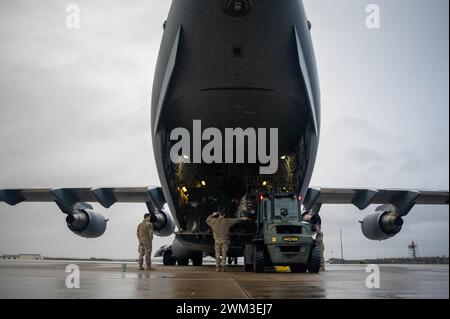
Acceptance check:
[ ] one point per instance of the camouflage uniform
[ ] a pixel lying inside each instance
(221, 230)
(319, 239)
(145, 237)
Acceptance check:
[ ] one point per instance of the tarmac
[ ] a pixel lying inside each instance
(47, 279)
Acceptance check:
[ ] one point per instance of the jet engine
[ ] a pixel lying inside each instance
(86, 223)
(163, 223)
(384, 224)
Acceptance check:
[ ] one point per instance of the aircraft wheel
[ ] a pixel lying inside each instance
(197, 259)
(314, 260)
(248, 267)
(183, 262)
(168, 259)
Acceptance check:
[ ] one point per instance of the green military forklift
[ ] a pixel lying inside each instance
(283, 236)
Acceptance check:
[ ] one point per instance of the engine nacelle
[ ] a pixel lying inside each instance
(382, 225)
(163, 223)
(86, 223)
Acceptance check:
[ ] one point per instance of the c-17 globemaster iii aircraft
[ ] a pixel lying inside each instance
(246, 64)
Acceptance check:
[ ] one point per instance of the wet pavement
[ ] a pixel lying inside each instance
(109, 280)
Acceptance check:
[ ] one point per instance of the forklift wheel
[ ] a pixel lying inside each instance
(258, 259)
(314, 260)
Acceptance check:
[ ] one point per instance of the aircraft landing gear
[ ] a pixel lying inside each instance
(183, 262)
(168, 259)
(197, 259)
(232, 260)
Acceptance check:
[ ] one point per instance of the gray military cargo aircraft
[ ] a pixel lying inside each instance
(230, 64)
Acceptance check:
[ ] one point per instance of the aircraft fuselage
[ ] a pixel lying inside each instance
(250, 68)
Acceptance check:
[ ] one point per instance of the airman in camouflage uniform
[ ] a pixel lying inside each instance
(145, 238)
(221, 229)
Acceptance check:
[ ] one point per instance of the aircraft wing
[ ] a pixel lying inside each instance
(70, 196)
(403, 199)
(82, 219)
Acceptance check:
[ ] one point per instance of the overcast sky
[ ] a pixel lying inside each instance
(75, 111)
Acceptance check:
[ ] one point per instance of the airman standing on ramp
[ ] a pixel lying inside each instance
(221, 229)
(145, 237)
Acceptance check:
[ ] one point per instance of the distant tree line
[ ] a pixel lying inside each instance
(414, 261)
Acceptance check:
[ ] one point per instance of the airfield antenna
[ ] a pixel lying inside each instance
(412, 248)
(342, 249)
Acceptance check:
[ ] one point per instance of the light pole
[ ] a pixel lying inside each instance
(342, 248)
